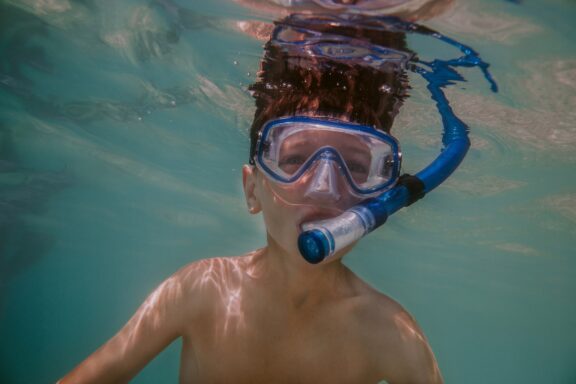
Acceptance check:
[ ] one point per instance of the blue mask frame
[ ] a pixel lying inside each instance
(330, 123)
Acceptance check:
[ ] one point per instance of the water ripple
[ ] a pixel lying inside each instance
(563, 204)
(406, 9)
(468, 19)
(483, 185)
(547, 129)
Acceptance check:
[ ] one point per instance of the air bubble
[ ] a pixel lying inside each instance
(385, 88)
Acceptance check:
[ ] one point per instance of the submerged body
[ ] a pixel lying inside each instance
(256, 319)
(269, 317)
(335, 330)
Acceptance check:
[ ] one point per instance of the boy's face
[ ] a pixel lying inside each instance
(310, 169)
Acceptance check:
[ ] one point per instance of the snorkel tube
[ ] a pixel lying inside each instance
(322, 239)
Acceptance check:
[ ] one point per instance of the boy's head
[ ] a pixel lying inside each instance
(327, 66)
(326, 96)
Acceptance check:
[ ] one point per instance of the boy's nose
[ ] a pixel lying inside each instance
(324, 182)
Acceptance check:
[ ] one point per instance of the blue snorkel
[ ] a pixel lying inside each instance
(322, 239)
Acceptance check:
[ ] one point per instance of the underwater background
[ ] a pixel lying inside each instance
(123, 130)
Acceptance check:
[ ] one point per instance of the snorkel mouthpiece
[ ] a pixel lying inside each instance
(314, 245)
(322, 239)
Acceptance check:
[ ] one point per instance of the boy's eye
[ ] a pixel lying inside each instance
(291, 163)
(356, 167)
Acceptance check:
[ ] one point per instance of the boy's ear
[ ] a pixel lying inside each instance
(249, 183)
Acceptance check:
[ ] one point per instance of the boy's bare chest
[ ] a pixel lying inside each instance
(265, 349)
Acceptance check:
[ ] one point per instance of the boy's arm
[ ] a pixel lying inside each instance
(158, 321)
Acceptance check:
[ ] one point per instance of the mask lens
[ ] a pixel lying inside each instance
(367, 160)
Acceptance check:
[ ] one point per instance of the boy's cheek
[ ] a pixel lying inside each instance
(282, 225)
(283, 219)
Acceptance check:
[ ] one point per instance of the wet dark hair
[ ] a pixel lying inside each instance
(292, 83)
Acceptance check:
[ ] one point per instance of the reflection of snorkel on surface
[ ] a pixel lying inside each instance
(324, 238)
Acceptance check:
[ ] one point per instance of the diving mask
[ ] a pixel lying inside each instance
(313, 160)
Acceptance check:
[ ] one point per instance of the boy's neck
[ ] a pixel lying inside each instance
(298, 281)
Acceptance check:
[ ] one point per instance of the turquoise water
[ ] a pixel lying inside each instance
(123, 128)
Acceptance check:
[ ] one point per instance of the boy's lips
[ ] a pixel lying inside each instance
(318, 215)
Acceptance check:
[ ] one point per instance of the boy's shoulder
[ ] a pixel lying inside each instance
(206, 274)
(393, 340)
(203, 276)
(381, 316)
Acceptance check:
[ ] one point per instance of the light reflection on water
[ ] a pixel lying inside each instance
(123, 127)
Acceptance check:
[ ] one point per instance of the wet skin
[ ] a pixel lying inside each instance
(269, 317)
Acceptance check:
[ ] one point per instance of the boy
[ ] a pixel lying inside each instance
(319, 144)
